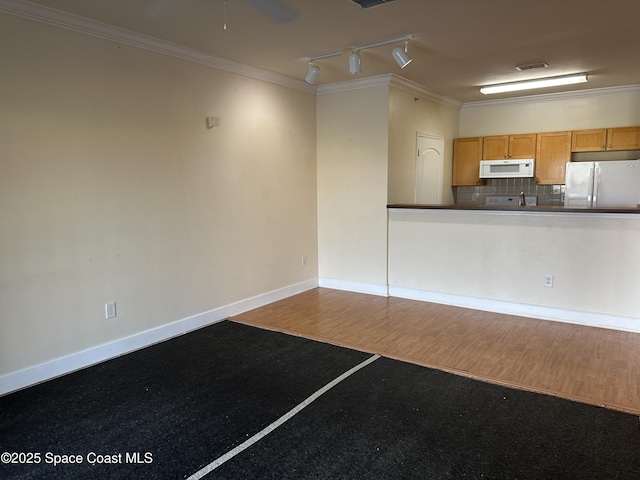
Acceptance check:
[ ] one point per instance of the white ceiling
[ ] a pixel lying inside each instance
(458, 45)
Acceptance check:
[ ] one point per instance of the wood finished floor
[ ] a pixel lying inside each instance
(592, 365)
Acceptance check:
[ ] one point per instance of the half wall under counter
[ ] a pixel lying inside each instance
(496, 259)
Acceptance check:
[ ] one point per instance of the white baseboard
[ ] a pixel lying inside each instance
(54, 368)
(370, 288)
(60, 366)
(591, 319)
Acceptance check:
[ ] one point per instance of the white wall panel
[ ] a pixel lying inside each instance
(504, 256)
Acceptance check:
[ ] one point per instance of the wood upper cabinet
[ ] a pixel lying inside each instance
(599, 139)
(499, 147)
(624, 138)
(467, 153)
(495, 148)
(553, 151)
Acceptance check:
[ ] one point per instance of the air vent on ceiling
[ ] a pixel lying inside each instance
(531, 66)
(370, 3)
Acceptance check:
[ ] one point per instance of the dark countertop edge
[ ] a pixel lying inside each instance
(537, 209)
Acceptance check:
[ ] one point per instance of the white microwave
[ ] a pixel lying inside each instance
(514, 168)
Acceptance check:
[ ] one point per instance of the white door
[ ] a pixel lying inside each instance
(428, 176)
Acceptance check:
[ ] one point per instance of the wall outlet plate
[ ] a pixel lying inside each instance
(110, 310)
(548, 281)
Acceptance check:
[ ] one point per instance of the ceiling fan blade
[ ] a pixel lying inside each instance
(160, 8)
(277, 11)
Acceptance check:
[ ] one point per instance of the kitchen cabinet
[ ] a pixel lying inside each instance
(467, 153)
(592, 140)
(553, 151)
(599, 139)
(499, 147)
(625, 138)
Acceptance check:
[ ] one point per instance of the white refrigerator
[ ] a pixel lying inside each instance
(606, 184)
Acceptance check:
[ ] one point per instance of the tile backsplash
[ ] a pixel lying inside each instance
(548, 195)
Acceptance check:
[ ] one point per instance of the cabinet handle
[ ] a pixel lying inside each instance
(608, 146)
(604, 147)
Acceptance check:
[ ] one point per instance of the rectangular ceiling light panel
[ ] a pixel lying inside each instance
(532, 84)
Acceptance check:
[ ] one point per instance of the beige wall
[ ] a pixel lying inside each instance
(111, 188)
(352, 185)
(473, 258)
(409, 114)
(366, 159)
(548, 113)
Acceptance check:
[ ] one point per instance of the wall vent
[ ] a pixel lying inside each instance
(370, 3)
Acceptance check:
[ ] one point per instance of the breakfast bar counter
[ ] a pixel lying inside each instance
(498, 208)
(573, 265)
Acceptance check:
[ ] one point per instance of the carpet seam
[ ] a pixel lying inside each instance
(283, 419)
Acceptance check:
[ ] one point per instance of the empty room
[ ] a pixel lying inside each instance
(339, 239)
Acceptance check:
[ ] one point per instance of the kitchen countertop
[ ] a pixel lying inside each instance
(494, 208)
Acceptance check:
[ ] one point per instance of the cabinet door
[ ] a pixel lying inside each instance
(593, 140)
(495, 148)
(522, 146)
(626, 138)
(553, 151)
(467, 153)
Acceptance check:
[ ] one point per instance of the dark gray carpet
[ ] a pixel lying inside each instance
(187, 401)
(393, 420)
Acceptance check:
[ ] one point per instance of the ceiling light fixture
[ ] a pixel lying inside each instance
(354, 62)
(312, 74)
(532, 84)
(399, 54)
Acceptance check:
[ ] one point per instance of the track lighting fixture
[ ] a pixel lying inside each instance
(312, 74)
(399, 54)
(354, 62)
(531, 84)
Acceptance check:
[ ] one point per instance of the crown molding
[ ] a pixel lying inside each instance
(389, 79)
(86, 26)
(586, 93)
(366, 82)
(419, 90)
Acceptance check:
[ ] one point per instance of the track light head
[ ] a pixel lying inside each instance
(354, 63)
(312, 74)
(401, 56)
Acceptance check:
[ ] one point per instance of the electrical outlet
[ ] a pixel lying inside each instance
(110, 310)
(548, 281)
(303, 261)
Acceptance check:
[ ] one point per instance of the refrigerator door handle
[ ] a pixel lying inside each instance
(595, 172)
